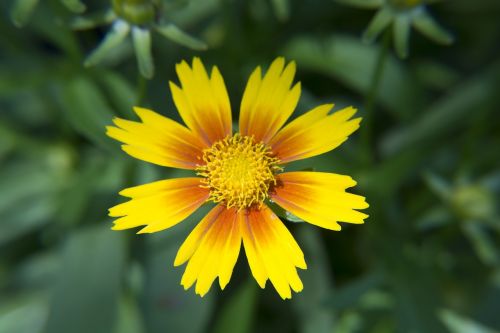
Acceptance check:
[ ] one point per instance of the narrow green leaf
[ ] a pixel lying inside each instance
(293, 218)
(282, 9)
(23, 314)
(165, 302)
(22, 10)
(115, 36)
(237, 313)
(86, 108)
(120, 92)
(482, 243)
(86, 294)
(284, 214)
(350, 294)
(438, 185)
(379, 22)
(369, 4)
(142, 44)
(456, 323)
(92, 20)
(310, 306)
(408, 276)
(402, 35)
(176, 35)
(445, 114)
(28, 191)
(436, 75)
(37, 271)
(129, 317)
(437, 217)
(352, 63)
(424, 23)
(75, 6)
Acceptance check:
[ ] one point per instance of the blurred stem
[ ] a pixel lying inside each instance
(141, 89)
(371, 97)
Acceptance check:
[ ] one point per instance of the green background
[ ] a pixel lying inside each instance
(426, 157)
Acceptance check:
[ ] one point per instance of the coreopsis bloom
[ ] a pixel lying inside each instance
(238, 172)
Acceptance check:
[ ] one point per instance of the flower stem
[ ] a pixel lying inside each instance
(141, 89)
(371, 96)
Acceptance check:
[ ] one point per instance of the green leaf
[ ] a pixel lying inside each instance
(369, 4)
(115, 36)
(28, 191)
(386, 178)
(37, 271)
(482, 242)
(23, 314)
(120, 93)
(456, 323)
(284, 214)
(86, 108)
(409, 275)
(352, 63)
(438, 185)
(436, 75)
(87, 291)
(282, 9)
(435, 218)
(379, 22)
(92, 20)
(292, 218)
(444, 115)
(178, 36)
(75, 6)
(129, 317)
(165, 302)
(22, 10)
(424, 23)
(402, 35)
(90, 178)
(236, 315)
(350, 294)
(309, 305)
(142, 44)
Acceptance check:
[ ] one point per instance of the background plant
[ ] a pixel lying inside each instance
(426, 157)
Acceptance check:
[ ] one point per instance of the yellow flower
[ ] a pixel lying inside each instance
(238, 172)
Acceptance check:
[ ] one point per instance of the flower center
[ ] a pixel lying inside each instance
(238, 171)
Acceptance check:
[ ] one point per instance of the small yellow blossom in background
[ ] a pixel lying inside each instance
(239, 172)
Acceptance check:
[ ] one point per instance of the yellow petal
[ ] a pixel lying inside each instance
(271, 251)
(158, 140)
(253, 256)
(159, 205)
(202, 101)
(268, 102)
(314, 133)
(212, 249)
(319, 198)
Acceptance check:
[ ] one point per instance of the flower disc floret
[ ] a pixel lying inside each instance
(238, 171)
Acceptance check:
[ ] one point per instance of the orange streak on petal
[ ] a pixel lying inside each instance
(271, 251)
(158, 140)
(314, 133)
(202, 101)
(319, 198)
(159, 205)
(211, 250)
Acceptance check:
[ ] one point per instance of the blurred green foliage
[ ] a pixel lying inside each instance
(426, 157)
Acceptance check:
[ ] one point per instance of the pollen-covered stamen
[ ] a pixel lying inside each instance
(238, 171)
